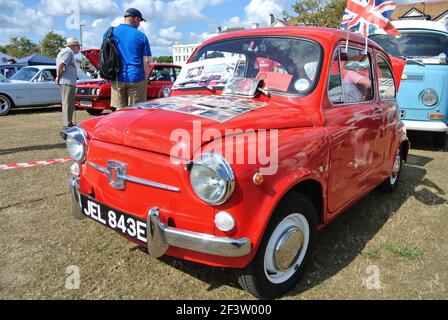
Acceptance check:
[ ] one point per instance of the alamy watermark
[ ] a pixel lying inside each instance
(73, 281)
(372, 281)
(250, 146)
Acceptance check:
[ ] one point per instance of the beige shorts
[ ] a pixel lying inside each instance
(128, 94)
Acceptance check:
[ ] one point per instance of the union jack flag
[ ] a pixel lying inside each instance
(369, 16)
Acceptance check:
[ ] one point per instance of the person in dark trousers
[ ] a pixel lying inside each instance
(135, 56)
(67, 74)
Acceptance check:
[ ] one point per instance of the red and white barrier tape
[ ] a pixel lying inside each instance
(33, 164)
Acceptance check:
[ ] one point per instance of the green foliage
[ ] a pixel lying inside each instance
(327, 13)
(164, 59)
(51, 44)
(404, 251)
(20, 47)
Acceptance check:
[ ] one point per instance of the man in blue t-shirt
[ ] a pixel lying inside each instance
(135, 56)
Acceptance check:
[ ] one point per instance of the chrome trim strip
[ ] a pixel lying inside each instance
(161, 236)
(137, 180)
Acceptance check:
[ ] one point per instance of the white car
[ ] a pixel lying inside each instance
(32, 86)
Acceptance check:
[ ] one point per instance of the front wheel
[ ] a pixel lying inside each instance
(391, 183)
(284, 251)
(5, 105)
(94, 112)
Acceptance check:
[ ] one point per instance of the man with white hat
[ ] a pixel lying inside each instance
(67, 75)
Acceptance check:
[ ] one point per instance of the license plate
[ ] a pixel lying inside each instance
(86, 103)
(121, 222)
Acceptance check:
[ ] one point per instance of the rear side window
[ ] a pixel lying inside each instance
(386, 84)
(351, 77)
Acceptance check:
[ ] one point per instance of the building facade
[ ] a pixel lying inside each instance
(182, 52)
(432, 11)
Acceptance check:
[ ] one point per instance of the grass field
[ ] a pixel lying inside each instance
(400, 237)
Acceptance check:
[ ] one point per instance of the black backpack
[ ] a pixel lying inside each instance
(109, 58)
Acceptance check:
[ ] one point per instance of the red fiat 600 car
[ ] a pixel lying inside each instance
(94, 95)
(268, 135)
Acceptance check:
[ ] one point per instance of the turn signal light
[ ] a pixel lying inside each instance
(435, 116)
(258, 179)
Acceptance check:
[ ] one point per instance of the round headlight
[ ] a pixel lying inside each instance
(76, 142)
(429, 98)
(212, 178)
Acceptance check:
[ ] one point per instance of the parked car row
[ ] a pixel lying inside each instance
(94, 95)
(31, 86)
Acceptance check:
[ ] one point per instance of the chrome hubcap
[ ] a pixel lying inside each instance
(4, 105)
(288, 248)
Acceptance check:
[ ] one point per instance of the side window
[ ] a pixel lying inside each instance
(335, 84)
(386, 82)
(357, 84)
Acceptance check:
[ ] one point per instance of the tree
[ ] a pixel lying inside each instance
(327, 13)
(51, 44)
(164, 59)
(20, 47)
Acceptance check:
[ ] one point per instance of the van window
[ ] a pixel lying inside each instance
(386, 82)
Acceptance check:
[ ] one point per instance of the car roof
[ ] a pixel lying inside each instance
(165, 65)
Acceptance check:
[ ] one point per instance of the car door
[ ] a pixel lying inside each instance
(387, 102)
(351, 127)
(43, 88)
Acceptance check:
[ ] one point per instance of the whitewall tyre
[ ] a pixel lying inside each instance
(284, 251)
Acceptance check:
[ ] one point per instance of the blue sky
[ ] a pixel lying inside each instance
(169, 21)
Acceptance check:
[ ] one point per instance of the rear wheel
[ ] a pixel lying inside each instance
(284, 251)
(5, 105)
(391, 183)
(439, 139)
(94, 112)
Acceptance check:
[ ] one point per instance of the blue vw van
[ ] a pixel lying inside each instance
(423, 94)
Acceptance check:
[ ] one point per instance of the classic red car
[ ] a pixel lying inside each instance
(94, 95)
(268, 135)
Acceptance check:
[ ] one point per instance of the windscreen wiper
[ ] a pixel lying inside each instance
(413, 60)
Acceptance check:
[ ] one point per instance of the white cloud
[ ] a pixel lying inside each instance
(92, 8)
(257, 11)
(173, 11)
(170, 34)
(10, 4)
(202, 36)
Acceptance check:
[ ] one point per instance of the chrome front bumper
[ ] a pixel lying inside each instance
(161, 237)
(430, 126)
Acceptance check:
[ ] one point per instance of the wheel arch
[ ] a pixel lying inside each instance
(13, 104)
(405, 147)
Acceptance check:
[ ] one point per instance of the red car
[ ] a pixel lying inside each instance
(241, 171)
(94, 96)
